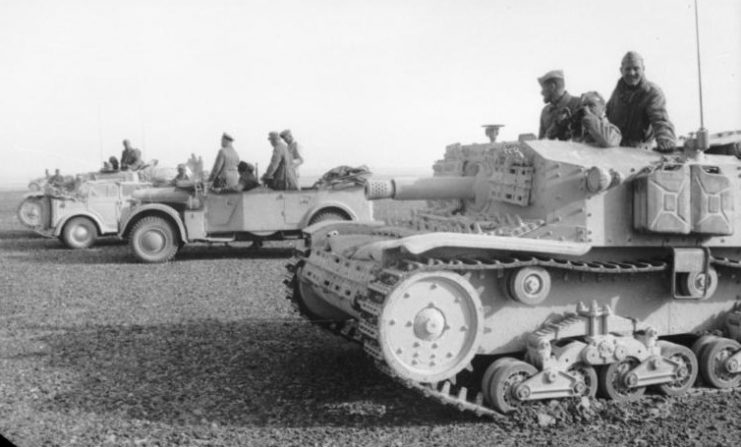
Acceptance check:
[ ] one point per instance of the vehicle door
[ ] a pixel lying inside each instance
(104, 202)
(297, 204)
(223, 212)
(264, 210)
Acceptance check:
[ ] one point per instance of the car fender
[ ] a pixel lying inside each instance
(328, 204)
(32, 194)
(152, 209)
(63, 221)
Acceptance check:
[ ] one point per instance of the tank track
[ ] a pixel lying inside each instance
(448, 392)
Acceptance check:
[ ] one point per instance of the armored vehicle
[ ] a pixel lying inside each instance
(539, 270)
(164, 219)
(79, 215)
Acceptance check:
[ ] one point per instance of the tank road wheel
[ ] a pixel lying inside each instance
(311, 304)
(612, 381)
(326, 215)
(686, 372)
(502, 391)
(493, 368)
(699, 284)
(79, 232)
(701, 343)
(713, 360)
(430, 326)
(529, 285)
(29, 212)
(587, 376)
(153, 239)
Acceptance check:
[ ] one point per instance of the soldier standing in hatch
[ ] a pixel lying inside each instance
(224, 174)
(595, 128)
(638, 108)
(560, 106)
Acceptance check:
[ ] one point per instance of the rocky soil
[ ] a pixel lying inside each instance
(96, 349)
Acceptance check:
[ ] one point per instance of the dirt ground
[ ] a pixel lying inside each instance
(96, 349)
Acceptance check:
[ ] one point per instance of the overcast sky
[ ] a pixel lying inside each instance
(387, 83)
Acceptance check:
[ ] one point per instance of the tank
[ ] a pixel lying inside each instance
(540, 270)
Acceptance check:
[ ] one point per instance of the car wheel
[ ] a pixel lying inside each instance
(29, 212)
(154, 239)
(79, 232)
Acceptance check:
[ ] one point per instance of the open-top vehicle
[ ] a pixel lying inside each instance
(164, 219)
(80, 215)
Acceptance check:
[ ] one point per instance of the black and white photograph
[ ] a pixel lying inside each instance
(339, 223)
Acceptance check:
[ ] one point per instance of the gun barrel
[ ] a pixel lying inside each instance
(427, 188)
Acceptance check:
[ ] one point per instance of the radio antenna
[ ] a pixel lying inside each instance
(702, 133)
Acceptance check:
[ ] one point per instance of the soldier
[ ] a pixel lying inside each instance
(594, 127)
(560, 106)
(638, 108)
(280, 174)
(113, 162)
(129, 156)
(224, 173)
(247, 179)
(181, 175)
(492, 131)
(57, 179)
(294, 149)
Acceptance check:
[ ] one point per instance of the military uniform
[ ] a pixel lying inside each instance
(599, 131)
(224, 173)
(640, 113)
(553, 128)
(280, 174)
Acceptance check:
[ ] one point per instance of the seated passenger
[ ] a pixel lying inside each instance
(182, 175)
(591, 126)
(247, 179)
(114, 162)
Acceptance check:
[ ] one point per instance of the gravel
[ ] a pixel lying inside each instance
(96, 349)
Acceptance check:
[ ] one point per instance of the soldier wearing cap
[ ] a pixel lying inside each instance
(224, 174)
(294, 149)
(492, 131)
(638, 108)
(594, 127)
(280, 174)
(560, 106)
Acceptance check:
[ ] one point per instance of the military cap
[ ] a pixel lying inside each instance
(227, 137)
(285, 132)
(181, 166)
(553, 74)
(492, 126)
(273, 134)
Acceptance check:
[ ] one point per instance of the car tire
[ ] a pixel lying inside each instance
(79, 232)
(154, 239)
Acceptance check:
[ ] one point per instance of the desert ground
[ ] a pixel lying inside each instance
(97, 349)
